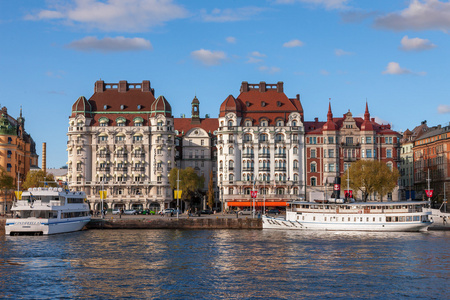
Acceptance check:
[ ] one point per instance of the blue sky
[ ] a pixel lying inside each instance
(394, 54)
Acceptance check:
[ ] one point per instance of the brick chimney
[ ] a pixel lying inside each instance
(262, 86)
(99, 86)
(244, 87)
(145, 86)
(123, 86)
(280, 87)
(44, 157)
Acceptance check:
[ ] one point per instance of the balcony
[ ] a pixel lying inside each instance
(264, 155)
(104, 169)
(247, 169)
(280, 155)
(104, 155)
(247, 155)
(122, 169)
(138, 169)
(350, 145)
(122, 155)
(280, 169)
(350, 159)
(264, 168)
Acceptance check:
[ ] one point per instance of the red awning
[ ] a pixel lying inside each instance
(258, 203)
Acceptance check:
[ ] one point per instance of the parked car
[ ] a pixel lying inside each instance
(246, 211)
(274, 211)
(130, 212)
(206, 212)
(148, 212)
(116, 212)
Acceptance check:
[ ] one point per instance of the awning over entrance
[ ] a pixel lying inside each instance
(258, 203)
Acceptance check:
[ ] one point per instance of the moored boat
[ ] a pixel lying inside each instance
(43, 211)
(356, 216)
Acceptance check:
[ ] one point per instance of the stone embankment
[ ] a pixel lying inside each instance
(173, 223)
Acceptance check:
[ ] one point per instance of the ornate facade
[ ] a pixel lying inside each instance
(333, 145)
(122, 140)
(17, 152)
(260, 143)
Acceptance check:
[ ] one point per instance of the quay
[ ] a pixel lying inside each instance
(184, 222)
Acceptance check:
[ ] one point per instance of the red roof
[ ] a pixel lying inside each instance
(184, 124)
(261, 100)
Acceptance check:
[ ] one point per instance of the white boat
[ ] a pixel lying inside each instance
(43, 211)
(356, 216)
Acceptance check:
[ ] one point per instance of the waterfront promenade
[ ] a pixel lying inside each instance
(214, 221)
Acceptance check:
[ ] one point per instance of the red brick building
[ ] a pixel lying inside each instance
(333, 145)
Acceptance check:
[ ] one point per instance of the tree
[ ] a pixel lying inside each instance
(370, 176)
(190, 183)
(210, 195)
(38, 179)
(6, 183)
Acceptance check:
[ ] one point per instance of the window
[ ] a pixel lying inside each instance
(368, 140)
(349, 140)
(388, 153)
(294, 138)
(279, 138)
(388, 140)
(295, 150)
(9, 154)
(263, 138)
(231, 150)
(331, 153)
(264, 123)
(230, 123)
(137, 138)
(294, 123)
(331, 167)
(313, 181)
(369, 153)
(330, 140)
(313, 167)
(9, 140)
(313, 140)
(313, 153)
(247, 137)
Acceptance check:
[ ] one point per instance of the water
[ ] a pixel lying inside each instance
(225, 264)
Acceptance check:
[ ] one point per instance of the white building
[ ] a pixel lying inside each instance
(260, 144)
(122, 140)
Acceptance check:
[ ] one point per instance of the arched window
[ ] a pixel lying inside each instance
(313, 181)
(264, 123)
(247, 137)
(231, 165)
(294, 123)
(248, 123)
(231, 150)
(295, 177)
(295, 164)
(263, 137)
(279, 137)
(231, 177)
(220, 151)
(295, 151)
(230, 123)
(313, 167)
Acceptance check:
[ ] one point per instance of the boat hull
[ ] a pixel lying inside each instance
(277, 223)
(44, 226)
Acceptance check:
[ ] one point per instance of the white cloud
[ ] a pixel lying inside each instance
(324, 72)
(328, 4)
(419, 15)
(117, 44)
(257, 54)
(230, 15)
(444, 109)
(416, 44)
(208, 57)
(293, 43)
(270, 70)
(231, 40)
(395, 69)
(253, 60)
(114, 15)
(340, 52)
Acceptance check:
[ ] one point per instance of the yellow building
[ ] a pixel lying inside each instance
(17, 153)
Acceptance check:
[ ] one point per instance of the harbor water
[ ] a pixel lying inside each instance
(225, 264)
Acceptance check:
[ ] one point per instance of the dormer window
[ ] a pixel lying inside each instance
(121, 121)
(138, 121)
(122, 107)
(264, 123)
(105, 107)
(139, 107)
(103, 121)
(263, 104)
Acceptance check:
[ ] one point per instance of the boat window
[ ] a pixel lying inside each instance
(75, 200)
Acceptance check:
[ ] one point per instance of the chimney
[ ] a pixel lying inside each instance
(44, 157)
(99, 86)
(244, 87)
(123, 85)
(262, 86)
(316, 120)
(146, 86)
(280, 87)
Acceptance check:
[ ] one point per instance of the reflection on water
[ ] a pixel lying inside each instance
(205, 264)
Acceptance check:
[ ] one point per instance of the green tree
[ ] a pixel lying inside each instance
(38, 179)
(210, 194)
(370, 176)
(190, 183)
(6, 184)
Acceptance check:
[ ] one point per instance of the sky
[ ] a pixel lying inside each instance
(394, 54)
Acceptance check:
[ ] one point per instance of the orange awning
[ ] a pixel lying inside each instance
(258, 203)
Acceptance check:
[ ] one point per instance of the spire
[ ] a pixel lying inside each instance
(367, 114)
(330, 114)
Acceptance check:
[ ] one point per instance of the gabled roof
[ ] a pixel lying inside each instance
(261, 100)
(184, 125)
